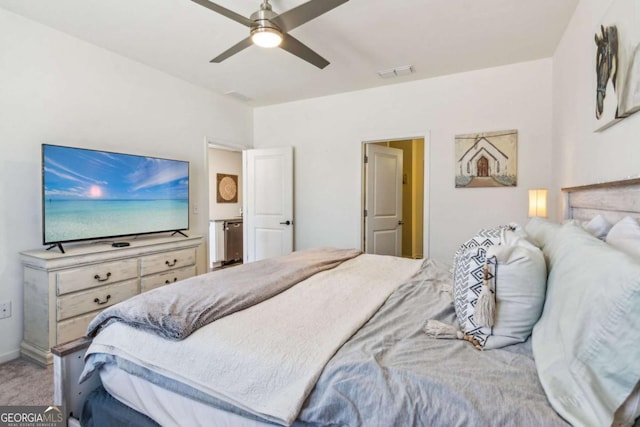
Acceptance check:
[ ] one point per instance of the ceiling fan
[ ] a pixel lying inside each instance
(269, 29)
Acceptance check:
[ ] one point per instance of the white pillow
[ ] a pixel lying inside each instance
(625, 235)
(585, 344)
(517, 271)
(541, 230)
(598, 226)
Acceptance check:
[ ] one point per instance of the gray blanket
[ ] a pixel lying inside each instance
(175, 311)
(391, 374)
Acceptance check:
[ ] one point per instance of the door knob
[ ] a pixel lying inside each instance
(287, 222)
(400, 222)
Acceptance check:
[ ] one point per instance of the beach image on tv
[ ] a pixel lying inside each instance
(91, 194)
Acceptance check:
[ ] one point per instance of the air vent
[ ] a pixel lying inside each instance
(405, 70)
(237, 95)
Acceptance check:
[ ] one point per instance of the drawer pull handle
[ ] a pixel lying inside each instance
(99, 279)
(106, 300)
(171, 264)
(166, 282)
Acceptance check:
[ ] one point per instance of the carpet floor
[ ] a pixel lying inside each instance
(24, 383)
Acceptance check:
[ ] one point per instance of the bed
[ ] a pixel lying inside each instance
(374, 347)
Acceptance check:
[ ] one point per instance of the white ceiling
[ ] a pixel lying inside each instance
(359, 38)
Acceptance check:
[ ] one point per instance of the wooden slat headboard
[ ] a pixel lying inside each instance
(613, 200)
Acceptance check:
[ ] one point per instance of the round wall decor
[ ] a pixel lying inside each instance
(227, 188)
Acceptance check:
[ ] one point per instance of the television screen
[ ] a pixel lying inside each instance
(90, 194)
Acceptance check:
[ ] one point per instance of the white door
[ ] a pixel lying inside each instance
(268, 203)
(383, 200)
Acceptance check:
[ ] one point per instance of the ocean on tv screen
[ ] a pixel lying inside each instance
(92, 194)
(85, 219)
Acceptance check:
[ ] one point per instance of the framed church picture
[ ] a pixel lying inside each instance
(487, 159)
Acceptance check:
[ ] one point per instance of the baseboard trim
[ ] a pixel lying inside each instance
(7, 357)
(35, 354)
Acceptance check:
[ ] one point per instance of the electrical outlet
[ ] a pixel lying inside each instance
(195, 209)
(5, 309)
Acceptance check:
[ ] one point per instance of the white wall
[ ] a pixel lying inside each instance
(327, 134)
(60, 90)
(581, 156)
(226, 162)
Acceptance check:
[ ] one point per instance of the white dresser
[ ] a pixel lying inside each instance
(64, 292)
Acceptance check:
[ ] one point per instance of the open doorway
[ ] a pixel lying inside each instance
(225, 176)
(393, 197)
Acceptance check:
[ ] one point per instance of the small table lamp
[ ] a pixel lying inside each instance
(538, 202)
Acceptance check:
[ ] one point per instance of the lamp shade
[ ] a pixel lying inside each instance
(538, 202)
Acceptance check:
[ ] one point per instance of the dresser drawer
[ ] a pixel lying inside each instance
(90, 276)
(155, 281)
(75, 327)
(94, 299)
(167, 261)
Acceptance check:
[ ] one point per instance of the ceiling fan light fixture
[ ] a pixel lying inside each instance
(266, 37)
(270, 29)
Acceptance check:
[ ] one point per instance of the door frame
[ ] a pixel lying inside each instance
(220, 144)
(400, 136)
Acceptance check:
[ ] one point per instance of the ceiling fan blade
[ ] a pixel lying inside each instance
(226, 12)
(294, 46)
(297, 16)
(233, 50)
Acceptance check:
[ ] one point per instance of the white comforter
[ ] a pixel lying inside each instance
(267, 358)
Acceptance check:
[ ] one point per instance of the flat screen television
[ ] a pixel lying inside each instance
(92, 195)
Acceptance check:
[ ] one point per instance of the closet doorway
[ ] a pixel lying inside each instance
(393, 197)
